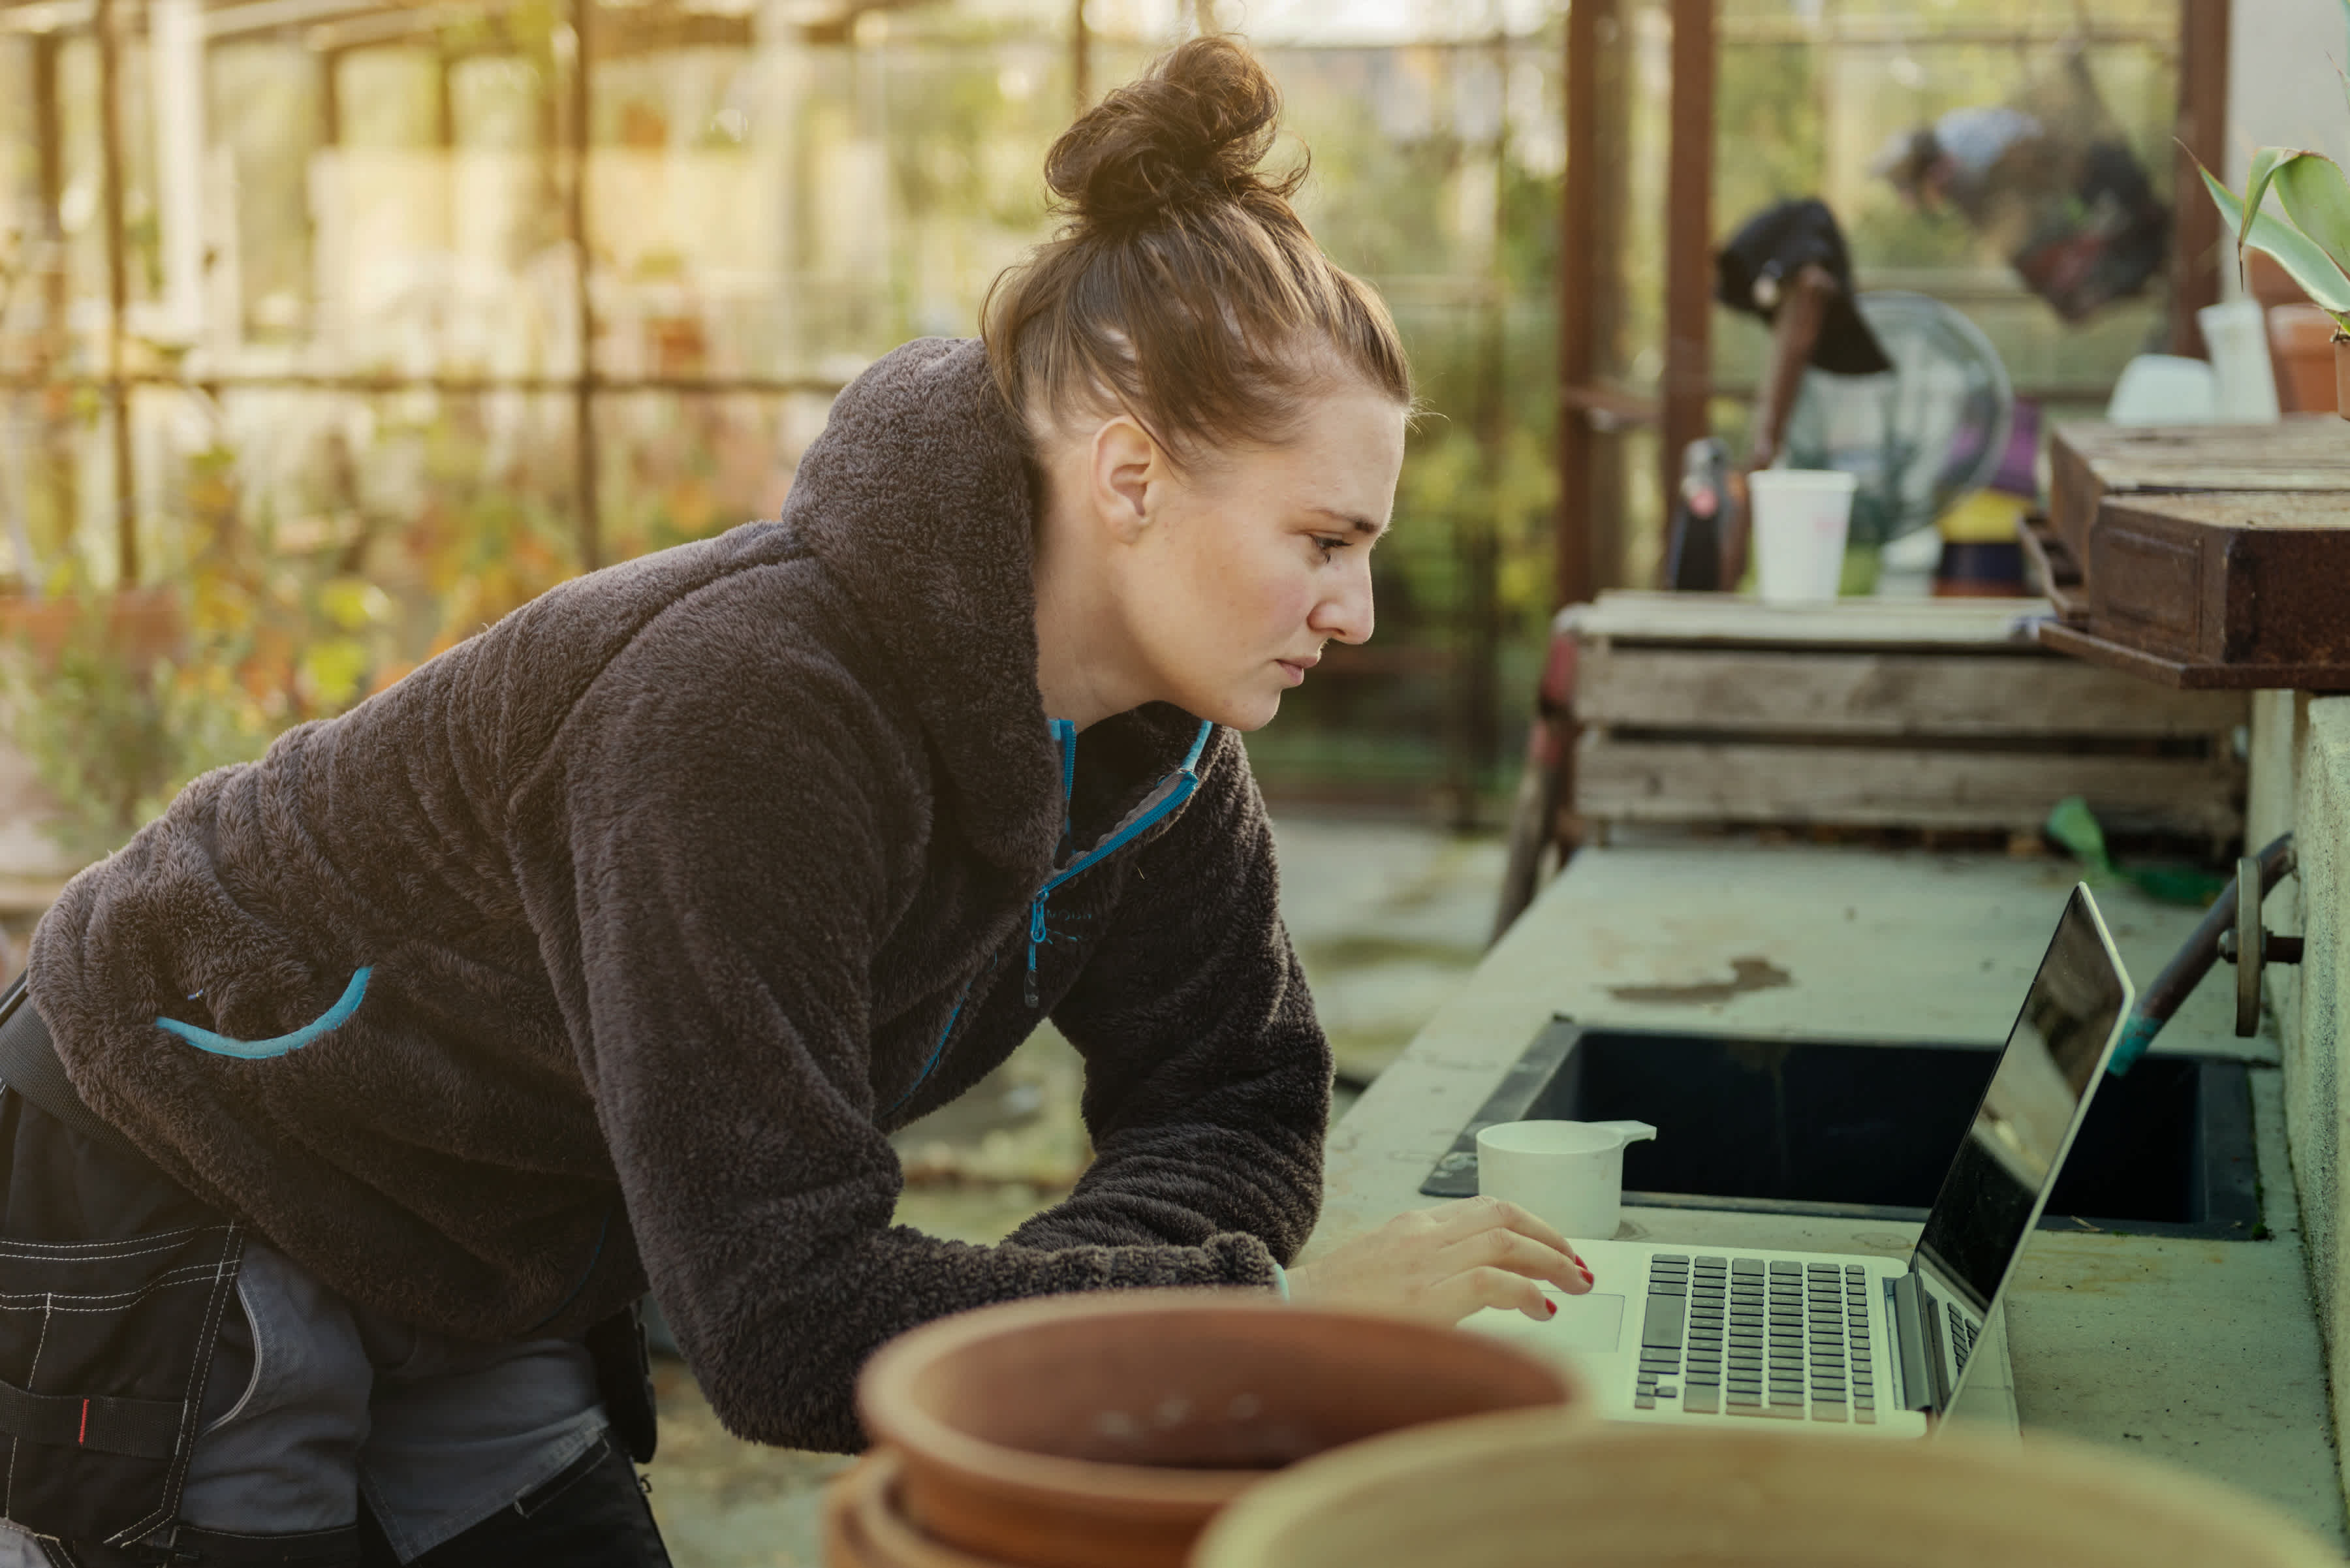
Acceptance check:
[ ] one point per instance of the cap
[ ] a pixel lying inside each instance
(1777, 243)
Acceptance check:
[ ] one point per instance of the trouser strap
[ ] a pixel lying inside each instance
(141, 1429)
(29, 1065)
(187, 1545)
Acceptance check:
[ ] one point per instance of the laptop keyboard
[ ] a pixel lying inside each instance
(1751, 1336)
(1962, 1335)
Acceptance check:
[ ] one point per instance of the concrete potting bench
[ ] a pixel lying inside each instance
(2201, 1352)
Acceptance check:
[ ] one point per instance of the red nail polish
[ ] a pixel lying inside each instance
(1551, 1305)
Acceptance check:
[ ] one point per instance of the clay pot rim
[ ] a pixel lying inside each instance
(886, 1400)
(1257, 1527)
(872, 1511)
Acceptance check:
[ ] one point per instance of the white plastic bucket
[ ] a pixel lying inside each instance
(2236, 332)
(1800, 519)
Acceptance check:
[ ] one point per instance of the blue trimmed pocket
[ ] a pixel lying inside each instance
(326, 1024)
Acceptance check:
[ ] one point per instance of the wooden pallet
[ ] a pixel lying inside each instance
(1937, 714)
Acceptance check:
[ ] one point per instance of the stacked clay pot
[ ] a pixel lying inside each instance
(1106, 1430)
(1523, 1490)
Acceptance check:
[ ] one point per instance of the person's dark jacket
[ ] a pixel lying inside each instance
(675, 892)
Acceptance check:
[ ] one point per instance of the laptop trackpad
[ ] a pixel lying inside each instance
(1591, 1322)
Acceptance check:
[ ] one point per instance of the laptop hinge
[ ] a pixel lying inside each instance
(1917, 1349)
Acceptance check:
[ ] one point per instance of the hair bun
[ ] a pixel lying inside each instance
(1190, 132)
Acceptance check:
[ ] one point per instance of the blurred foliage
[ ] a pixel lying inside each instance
(907, 155)
(113, 740)
(271, 628)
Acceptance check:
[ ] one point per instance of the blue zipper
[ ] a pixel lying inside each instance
(1165, 795)
(939, 1050)
(1170, 793)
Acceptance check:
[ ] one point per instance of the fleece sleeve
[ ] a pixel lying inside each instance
(1206, 1076)
(732, 880)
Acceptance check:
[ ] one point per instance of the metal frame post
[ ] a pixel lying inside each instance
(1688, 240)
(1578, 248)
(2196, 248)
(583, 400)
(118, 290)
(57, 423)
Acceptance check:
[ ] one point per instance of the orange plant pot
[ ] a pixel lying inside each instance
(1105, 1430)
(864, 1528)
(2300, 341)
(1516, 1491)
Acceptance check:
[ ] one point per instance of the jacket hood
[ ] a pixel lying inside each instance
(919, 499)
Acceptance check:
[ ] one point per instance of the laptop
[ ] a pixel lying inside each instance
(1865, 1345)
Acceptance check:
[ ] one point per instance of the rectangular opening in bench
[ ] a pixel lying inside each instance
(1844, 1127)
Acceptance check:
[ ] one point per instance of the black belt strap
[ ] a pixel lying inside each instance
(29, 1065)
(142, 1429)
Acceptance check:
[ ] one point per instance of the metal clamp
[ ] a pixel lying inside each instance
(2248, 945)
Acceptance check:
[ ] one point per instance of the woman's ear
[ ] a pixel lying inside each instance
(1127, 468)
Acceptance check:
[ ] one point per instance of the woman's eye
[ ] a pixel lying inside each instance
(1327, 543)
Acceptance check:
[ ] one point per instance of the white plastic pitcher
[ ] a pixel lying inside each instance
(1569, 1173)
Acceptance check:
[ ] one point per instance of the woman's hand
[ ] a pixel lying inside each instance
(1445, 1263)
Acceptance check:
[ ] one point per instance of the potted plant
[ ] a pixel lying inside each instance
(2310, 241)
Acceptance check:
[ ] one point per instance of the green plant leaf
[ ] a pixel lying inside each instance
(2300, 255)
(2265, 162)
(2072, 823)
(2317, 199)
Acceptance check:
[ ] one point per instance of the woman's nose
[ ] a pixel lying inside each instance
(1346, 615)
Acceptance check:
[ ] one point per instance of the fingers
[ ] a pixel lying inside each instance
(1519, 1254)
(1481, 1213)
(1473, 1290)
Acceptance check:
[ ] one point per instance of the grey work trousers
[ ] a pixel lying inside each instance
(314, 1403)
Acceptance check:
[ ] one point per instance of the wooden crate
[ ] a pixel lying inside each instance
(1941, 714)
(2091, 463)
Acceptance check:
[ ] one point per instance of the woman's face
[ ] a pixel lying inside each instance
(1246, 565)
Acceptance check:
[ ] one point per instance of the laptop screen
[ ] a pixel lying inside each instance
(2008, 1162)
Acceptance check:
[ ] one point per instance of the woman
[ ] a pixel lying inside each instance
(608, 949)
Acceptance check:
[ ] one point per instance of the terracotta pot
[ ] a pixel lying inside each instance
(2300, 342)
(1103, 1430)
(143, 625)
(1518, 1490)
(2342, 375)
(864, 1529)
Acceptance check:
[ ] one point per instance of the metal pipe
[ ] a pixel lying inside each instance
(118, 293)
(387, 382)
(54, 344)
(2194, 959)
(583, 396)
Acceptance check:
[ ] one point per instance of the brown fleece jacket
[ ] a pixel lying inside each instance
(677, 890)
